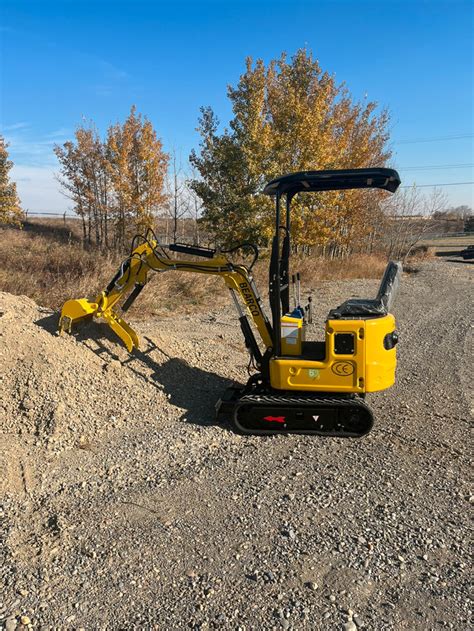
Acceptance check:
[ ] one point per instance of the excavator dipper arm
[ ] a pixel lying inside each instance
(132, 276)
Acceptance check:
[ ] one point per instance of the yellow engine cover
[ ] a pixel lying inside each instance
(365, 366)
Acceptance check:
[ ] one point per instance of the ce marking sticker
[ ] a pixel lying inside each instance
(342, 369)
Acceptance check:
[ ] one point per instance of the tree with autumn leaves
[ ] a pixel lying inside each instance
(289, 116)
(116, 185)
(10, 209)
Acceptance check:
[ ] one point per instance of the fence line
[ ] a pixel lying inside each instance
(64, 215)
(32, 212)
(162, 238)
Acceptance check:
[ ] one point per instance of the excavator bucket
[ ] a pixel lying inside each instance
(75, 310)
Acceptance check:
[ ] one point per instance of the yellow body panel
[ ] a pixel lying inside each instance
(380, 363)
(369, 368)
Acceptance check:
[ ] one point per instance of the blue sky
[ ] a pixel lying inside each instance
(65, 60)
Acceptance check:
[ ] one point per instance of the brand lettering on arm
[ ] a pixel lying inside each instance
(249, 299)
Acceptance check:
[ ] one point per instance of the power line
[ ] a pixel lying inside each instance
(434, 139)
(434, 185)
(437, 166)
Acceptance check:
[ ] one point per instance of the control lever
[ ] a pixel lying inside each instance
(309, 310)
(293, 280)
(298, 287)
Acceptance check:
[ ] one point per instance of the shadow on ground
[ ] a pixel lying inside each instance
(446, 253)
(462, 261)
(49, 323)
(194, 390)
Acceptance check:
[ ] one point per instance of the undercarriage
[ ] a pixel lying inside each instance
(256, 409)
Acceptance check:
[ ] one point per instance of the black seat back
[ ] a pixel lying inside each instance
(389, 285)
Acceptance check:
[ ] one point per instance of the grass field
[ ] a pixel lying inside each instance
(449, 242)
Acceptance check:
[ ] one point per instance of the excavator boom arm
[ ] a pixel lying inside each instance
(132, 277)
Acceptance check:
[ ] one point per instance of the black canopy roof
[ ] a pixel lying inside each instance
(386, 179)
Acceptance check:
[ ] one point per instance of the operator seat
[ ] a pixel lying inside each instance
(372, 308)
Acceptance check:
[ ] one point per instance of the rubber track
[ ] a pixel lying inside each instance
(302, 400)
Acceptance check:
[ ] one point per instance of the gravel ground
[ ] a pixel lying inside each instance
(124, 506)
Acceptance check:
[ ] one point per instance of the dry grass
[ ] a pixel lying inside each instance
(449, 241)
(48, 270)
(357, 266)
(51, 269)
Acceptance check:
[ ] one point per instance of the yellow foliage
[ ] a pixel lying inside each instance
(116, 185)
(288, 116)
(10, 210)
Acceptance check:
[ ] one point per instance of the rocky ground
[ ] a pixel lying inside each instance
(125, 506)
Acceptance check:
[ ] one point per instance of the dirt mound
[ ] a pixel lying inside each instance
(57, 388)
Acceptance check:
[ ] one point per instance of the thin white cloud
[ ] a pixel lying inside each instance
(38, 189)
(14, 127)
(62, 133)
(111, 76)
(103, 90)
(28, 149)
(112, 72)
(34, 166)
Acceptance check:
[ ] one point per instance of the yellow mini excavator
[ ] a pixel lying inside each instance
(300, 386)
